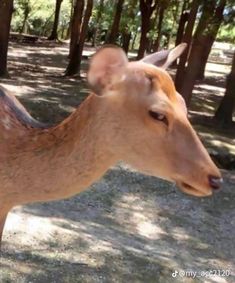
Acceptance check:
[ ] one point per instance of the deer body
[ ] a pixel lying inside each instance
(39, 163)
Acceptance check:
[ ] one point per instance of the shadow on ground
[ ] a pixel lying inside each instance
(37, 79)
(126, 228)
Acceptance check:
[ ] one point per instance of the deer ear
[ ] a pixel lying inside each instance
(182, 102)
(165, 58)
(106, 68)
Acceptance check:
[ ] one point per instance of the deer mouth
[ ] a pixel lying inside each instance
(188, 189)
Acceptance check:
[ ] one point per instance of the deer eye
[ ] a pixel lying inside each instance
(150, 82)
(159, 117)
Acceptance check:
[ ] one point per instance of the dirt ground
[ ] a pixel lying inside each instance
(127, 227)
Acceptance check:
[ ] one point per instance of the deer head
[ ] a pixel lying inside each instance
(149, 119)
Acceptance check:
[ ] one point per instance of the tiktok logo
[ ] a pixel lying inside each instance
(175, 273)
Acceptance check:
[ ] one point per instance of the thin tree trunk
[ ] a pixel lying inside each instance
(207, 49)
(6, 9)
(76, 55)
(183, 19)
(211, 38)
(159, 28)
(146, 8)
(170, 33)
(153, 26)
(179, 78)
(133, 41)
(224, 113)
(26, 14)
(143, 38)
(76, 25)
(98, 23)
(126, 37)
(43, 29)
(68, 34)
(208, 22)
(130, 15)
(54, 34)
(115, 25)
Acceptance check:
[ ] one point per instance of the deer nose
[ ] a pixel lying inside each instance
(215, 182)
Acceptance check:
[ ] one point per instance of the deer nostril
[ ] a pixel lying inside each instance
(215, 182)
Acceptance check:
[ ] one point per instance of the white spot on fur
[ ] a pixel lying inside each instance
(6, 123)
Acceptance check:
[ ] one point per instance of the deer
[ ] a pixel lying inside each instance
(132, 114)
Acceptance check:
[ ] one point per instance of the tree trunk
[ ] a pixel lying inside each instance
(115, 25)
(224, 113)
(6, 9)
(207, 49)
(159, 28)
(76, 25)
(130, 16)
(26, 14)
(54, 35)
(207, 25)
(169, 33)
(143, 38)
(98, 23)
(76, 55)
(126, 38)
(133, 41)
(179, 78)
(211, 38)
(183, 19)
(146, 8)
(68, 33)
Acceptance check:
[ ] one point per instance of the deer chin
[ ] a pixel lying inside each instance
(183, 186)
(188, 189)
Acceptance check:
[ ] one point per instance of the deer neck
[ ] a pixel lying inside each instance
(63, 160)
